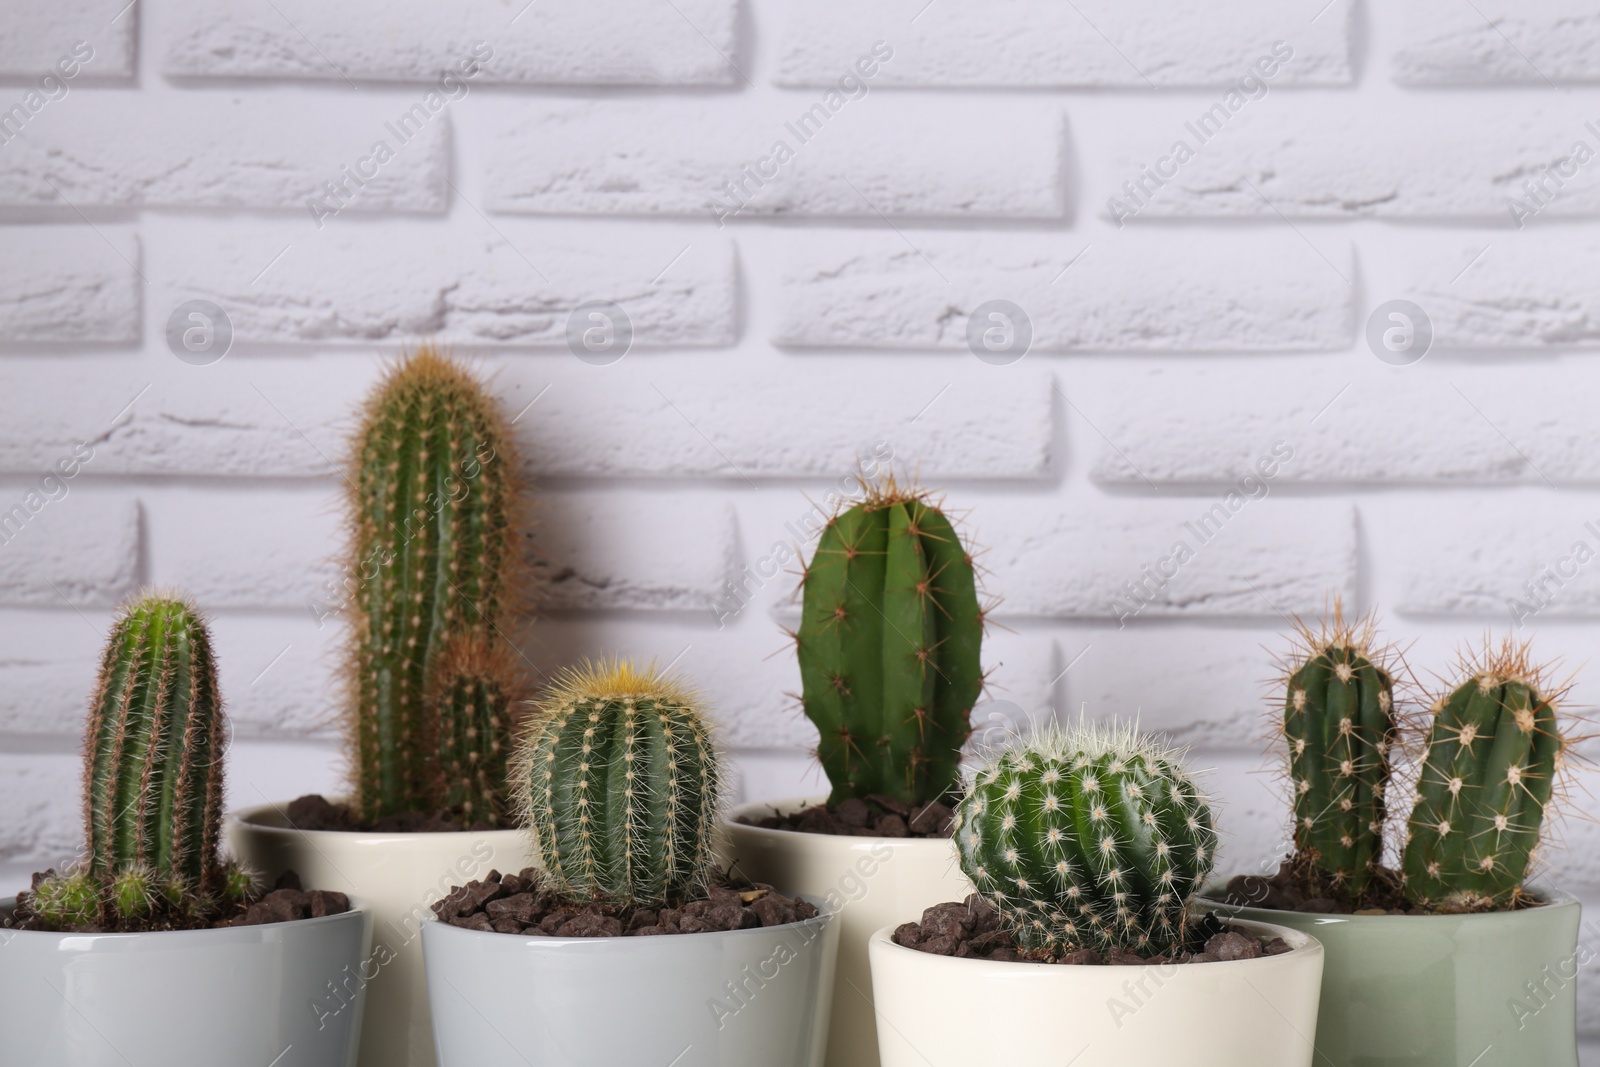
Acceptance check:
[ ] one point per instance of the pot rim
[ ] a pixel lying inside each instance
(1302, 946)
(251, 818)
(1553, 900)
(789, 804)
(820, 921)
(358, 912)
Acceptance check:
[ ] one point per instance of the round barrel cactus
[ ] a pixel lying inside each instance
(1088, 838)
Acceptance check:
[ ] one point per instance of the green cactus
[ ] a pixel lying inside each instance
(1339, 721)
(888, 644)
(1494, 753)
(433, 512)
(474, 687)
(1089, 838)
(620, 782)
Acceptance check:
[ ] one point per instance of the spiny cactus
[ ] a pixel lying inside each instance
(888, 643)
(1090, 838)
(1339, 721)
(433, 513)
(473, 689)
(1494, 754)
(620, 782)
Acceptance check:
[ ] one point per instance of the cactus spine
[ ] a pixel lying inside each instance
(1339, 721)
(888, 644)
(433, 510)
(620, 782)
(1494, 752)
(473, 690)
(1093, 838)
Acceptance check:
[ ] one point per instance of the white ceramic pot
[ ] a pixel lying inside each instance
(938, 1011)
(868, 882)
(246, 995)
(398, 877)
(741, 998)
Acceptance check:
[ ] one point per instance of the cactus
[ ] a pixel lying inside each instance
(1494, 753)
(620, 782)
(888, 644)
(1339, 721)
(472, 691)
(1089, 838)
(433, 513)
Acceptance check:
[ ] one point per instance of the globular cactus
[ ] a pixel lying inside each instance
(888, 644)
(1339, 721)
(473, 689)
(1494, 754)
(620, 782)
(1091, 838)
(433, 513)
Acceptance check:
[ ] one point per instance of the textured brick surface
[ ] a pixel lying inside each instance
(584, 42)
(69, 284)
(68, 548)
(1495, 41)
(39, 33)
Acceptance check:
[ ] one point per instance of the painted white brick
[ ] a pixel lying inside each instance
(1131, 292)
(245, 548)
(41, 792)
(69, 284)
(515, 284)
(583, 42)
(1351, 420)
(1496, 41)
(1092, 43)
(1077, 559)
(224, 150)
(795, 155)
(1414, 157)
(39, 33)
(77, 550)
(278, 675)
(47, 669)
(1534, 290)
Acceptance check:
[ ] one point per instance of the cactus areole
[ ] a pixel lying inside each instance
(889, 644)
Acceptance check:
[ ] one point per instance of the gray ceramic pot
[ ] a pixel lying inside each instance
(1490, 990)
(249, 996)
(742, 998)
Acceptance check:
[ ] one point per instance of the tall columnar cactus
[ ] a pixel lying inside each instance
(620, 782)
(473, 689)
(433, 510)
(888, 643)
(1339, 721)
(1494, 753)
(1093, 838)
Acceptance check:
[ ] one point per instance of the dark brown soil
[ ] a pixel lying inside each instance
(876, 816)
(316, 812)
(285, 902)
(1295, 888)
(524, 904)
(971, 930)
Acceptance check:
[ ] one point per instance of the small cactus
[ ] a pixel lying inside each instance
(472, 691)
(1339, 721)
(1494, 753)
(434, 552)
(620, 783)
(1090, 838)
(889, 644)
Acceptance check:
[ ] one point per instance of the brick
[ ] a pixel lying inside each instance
(793, 155)
(40, 790)
(572, 42)
(47, 670)
(1348, 421)
(1166, 44)
(1242, 558)
(245, 548)
(1417, 157)
(40, 33)
(1259, 291)
(279, 675)
(69, 284)
(1496, 42)
(1536, 291)
(209, 149)
(516, 284)
(78, 549)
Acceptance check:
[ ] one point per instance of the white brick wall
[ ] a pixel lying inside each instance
(345, 179)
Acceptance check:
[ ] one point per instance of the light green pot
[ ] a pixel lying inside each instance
(1488, 990)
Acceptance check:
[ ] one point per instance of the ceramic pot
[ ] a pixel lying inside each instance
(1492, 990)
(740, 998)
(868, 882)
(398, 877)
(938, 1011)
(275, 994)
